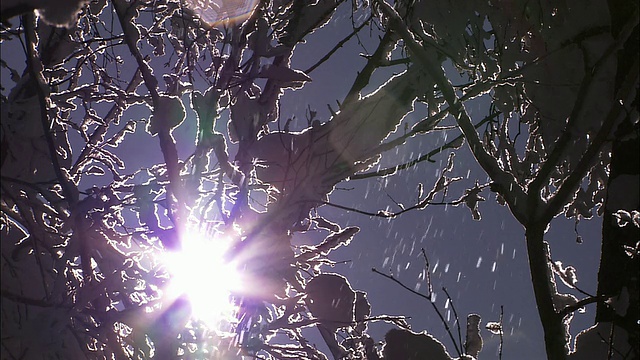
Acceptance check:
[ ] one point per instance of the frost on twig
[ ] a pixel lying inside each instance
(624, 218)
(330, 243)
(560, 301)
(471, 198)
(168, 114)
(566, 274)
(473, 344)
(494, 327)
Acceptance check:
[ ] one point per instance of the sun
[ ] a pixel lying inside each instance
(201, 271)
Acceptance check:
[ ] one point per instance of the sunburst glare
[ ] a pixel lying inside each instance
(201, 271)
(215, 12)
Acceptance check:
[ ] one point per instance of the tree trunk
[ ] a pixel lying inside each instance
(543, 288)
(619, 271)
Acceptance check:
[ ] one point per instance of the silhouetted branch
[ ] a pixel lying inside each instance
(455, 313)
(277, 324)
(392, 144)
(427, 275)
(428, 298)
(390, 215)
(501, 332)
(576, 115)
(362, 80)
(582, 303)
(571, 183)
(167, 144)
(25, 300)
(338, 46)
(515, 197)
(35, 66)
(99, 133)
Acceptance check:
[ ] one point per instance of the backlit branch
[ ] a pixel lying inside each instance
(427, 157)
(35, 67)
(513, 192)
(127, 13)
(428, 297)
(576, 116)
(340, 44)
(571, 183)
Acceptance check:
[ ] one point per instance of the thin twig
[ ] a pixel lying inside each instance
(390, 215)
(582, 303)
(427, 157)
(455, 313)
(99, 133)
(32, 227)
(578, 108)
(611, 348)
(167, 144)
(25, 300)
(429, 298)
(501, 332)
(570, 185)
(338, 46)
(400, 206)
(392, 278)
(428, 272)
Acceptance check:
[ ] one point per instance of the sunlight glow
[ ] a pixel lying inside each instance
(201, 272)
(214, 12)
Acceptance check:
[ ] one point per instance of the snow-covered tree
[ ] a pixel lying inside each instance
(94, 212)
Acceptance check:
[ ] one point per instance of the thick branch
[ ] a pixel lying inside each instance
(25, 300)
(582, 303)
(374, 61)
(131, 36)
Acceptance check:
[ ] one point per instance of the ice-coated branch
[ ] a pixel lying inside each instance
(127, 13)
(35, 67)
(512, 192)
(453, 144)
(576, 115)
(571, 183)
(373, 62)
(98, 134)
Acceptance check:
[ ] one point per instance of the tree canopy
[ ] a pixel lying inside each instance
(131, 130)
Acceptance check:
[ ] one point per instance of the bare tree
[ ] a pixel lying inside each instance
(552, 73)
(85, 224)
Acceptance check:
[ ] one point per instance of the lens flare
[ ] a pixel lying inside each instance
(215, 12)
(200, 271)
